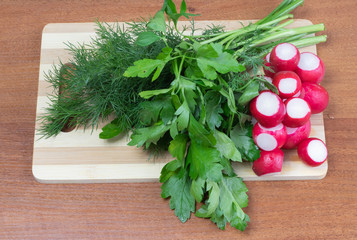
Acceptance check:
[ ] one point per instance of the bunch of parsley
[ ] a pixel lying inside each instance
(187, 94)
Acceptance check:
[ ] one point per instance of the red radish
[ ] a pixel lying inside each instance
(284, 57)
(316, 96)
(269, 162)
(295, 135)
(268, 139)
(288, 84)
(312, 151)
(267, 72)
(310, 68)
(268, 109)
(298, 112)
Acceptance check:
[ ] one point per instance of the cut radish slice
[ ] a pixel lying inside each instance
(316, 96)
(284, 57)
(295, 135)
(288, 84)
(268, 139)
(310, 68)
(267, 72)
(298, 112)
(269, 162)
(268, 109)
(312, 151)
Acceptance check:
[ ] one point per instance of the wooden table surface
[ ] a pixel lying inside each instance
(323, 209)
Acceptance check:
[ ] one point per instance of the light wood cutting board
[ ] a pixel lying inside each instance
(81, 157)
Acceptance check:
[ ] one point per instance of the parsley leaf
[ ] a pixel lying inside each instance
(242, 138)
(148, 135)
(178, 188)
(146, 38)
(143, 68)
(226, 147)
(204, 162)
(213, 109)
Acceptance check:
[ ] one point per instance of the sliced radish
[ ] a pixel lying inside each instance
(312, 151)
(310, 68)
(268, 109)
(295, 135)
(298, 112)
(267, 72)
(284, 57)
(316, 96)
(288, 84)
(268, 139)
(269, 162)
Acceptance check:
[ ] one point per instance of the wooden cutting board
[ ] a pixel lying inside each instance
(81, 157)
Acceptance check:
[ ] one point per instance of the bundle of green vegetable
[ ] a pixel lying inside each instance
(185, 93)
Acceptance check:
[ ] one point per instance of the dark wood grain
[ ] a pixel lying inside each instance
(324, 209)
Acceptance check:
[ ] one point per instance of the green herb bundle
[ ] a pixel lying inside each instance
(187, 94)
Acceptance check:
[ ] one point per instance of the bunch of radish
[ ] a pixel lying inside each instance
(283, 119)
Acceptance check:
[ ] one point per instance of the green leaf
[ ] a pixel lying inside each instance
(227, 167)
(178, 188)
(183, 7)
(168, 170)
(148, 135)
(150, 93)
(111, 130)
(199, 134)
(224, 63)
(207, 51)
(242, 138)
(212, 203)
(143, 68)
(158, 22)
(208, 71)
(233, 198)
(204, 162)
(178, 145)
(161, 107)
(230, 99)
(147, 38)
(183, 113)
(213, 109)
(197, 188)
(226, 147)
(249, 93)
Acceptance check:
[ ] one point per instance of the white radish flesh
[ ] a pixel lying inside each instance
(284, 57)
(288, 84)
(312, 151)
(268, 109)
(310, 68)
(298, 112)
(316, 96)
(269, 162)
(269, 139)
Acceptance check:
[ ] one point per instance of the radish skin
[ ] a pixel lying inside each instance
(288, 84)
(298, 112)
(312, 151)
(284, 57)
(316, 96)
(269, 162)
(310, 68)
(268, 139)
(268, 109)
(267, 72)
(296, 135)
